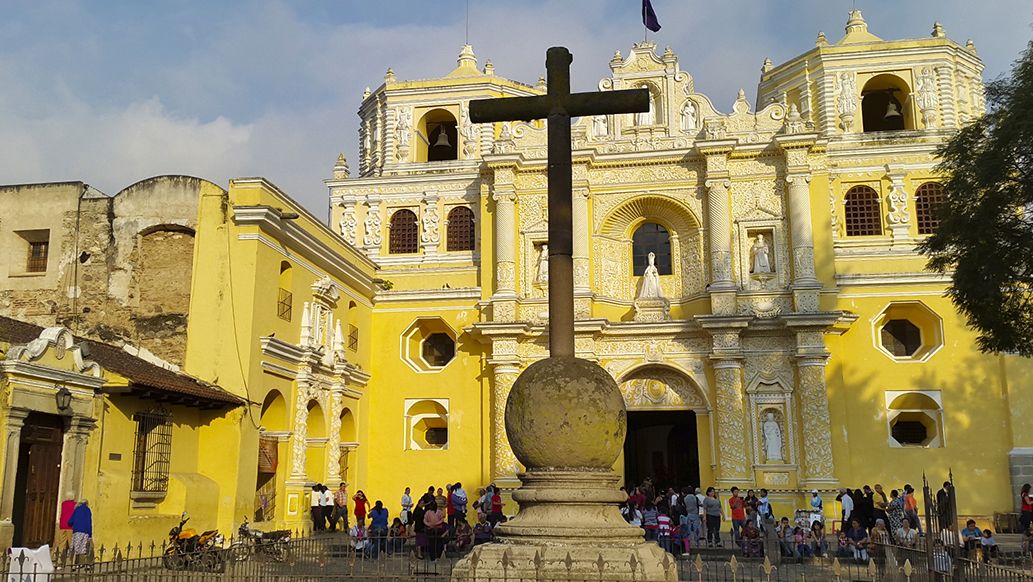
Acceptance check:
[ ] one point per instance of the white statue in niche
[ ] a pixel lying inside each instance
(772, 438)
(402, 127)
(761, 256)
(650, 281)
(647, 117)
(599, 126)
(542, 277)
(689, 116)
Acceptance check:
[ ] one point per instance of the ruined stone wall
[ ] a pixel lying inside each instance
(120, 267)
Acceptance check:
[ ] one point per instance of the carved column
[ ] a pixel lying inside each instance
(814, 407)
(15, 421)
(945, 88)
(73, 462)
(333, 443)
(299, 439)
(582, 237)
(719, 214)
(800, 224)
(731, 424)
(505, 465)
(372, 229)
(505, 243)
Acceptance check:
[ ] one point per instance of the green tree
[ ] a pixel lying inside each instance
(985, 236)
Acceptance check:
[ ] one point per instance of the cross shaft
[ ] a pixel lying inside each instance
(557, 106)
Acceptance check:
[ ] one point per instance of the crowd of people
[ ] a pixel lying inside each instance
(872, 521)
(437, 521)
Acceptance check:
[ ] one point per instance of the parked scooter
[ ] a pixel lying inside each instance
(186, 549)
(254, 542)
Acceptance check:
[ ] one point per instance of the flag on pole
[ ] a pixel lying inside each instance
(649, 17)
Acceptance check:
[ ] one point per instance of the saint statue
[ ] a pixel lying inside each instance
(689, 117)
(650, 281)
(772, 438)
(599, 126)
(761, 256)
(402, 127)
(647, 117)
(542, 278)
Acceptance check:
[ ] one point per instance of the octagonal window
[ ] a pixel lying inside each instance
(438, 349)
(915, 419)
(909, 432)
(426, 424)
(428, 345)
(907, 331)
(901, 338)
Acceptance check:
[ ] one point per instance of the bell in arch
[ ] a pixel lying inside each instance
(442, 140)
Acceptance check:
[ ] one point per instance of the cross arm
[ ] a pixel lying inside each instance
(575, 105)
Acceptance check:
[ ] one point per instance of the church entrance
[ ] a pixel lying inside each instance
(36, 483)
(663, 445)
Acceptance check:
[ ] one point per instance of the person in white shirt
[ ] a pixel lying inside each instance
(406, 507)
(326, 504)
(848, 505)
(317, 512)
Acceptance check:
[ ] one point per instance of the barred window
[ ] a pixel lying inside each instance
(862, 212)
(38, 251)
(353, 338)
(153, 451)
(928, 199)
(460, 229)
(284, 304)
(405, 234)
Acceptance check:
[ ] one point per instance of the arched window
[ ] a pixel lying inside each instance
(405, 235)
(915, 419)
(460, 235)
(651, 237)
(885, 104)
(862, 212)
(928, 199)
(441, 131)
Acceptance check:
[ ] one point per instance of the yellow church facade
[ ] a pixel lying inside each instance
(797, 341)
(749, 278)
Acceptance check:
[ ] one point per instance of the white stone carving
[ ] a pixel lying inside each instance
(760, 254)
(403, 129)
(599, 127)
(847, 100)
(658, 388)
(647, 117)
(371, 237)
(469, 132)
(689, 116)
(926, 96)
(542, 272)
(650, 287)
(349, 224)
(772, 438)
(430, 233)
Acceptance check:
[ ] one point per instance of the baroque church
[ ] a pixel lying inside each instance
(747, 273)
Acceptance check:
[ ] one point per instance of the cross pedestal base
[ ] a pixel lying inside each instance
(652, 310)
(568, 528)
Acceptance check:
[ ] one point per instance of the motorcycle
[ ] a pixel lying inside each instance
(255, 542)
(186, 549)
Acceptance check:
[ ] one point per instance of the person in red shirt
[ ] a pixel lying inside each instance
(450, 510)
(360, 507)
(1026, 507)
(738, 506)
(495, 516)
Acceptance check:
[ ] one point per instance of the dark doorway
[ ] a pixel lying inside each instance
(662, 445)
(37, 482)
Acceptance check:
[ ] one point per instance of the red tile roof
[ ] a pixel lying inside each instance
(145, 379)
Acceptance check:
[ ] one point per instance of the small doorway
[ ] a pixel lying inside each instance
(662, 445)
(37, 481)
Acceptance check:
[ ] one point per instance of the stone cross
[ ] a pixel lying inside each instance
(558, 106)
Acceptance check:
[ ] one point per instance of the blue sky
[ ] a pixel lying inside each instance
(115, 91)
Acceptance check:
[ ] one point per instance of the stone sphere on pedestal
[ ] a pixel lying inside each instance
(566, 413)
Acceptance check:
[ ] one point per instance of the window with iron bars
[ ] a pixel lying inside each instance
(353, 338)
(862, 212)
(37, 261)
(153, 451)
(284, 304)
(928, 199)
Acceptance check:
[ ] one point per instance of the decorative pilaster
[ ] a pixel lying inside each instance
(430, 234)
(582, 237)
(945, 86)
(333, 443)
(15, 422)
(719, 230)
(899, 216)
(73, 462)
(812, 392)
(299, 439)
(505, 464)
(372, 229)
(731, 426)
(799, 195)
(505, 243)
